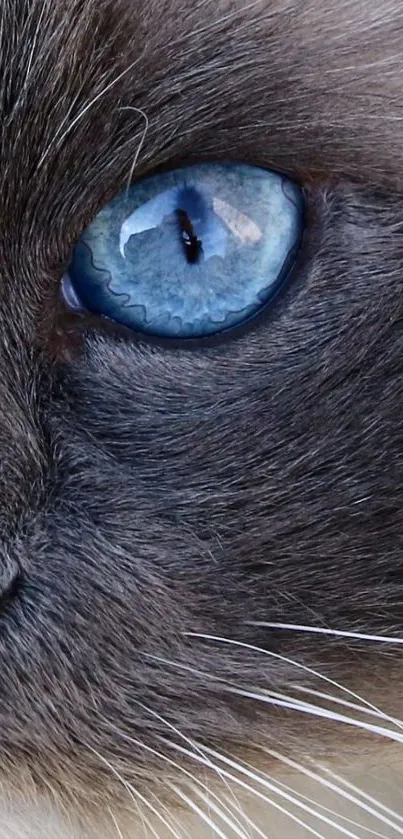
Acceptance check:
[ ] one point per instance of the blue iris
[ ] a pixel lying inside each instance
(191, 252)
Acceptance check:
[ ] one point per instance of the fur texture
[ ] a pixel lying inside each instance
(148, 495)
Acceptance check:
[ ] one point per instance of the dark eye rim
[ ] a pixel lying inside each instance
(90, 321)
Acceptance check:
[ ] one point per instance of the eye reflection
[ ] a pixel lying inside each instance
(189, 253)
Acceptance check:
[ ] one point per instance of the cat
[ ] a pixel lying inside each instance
(201, 569)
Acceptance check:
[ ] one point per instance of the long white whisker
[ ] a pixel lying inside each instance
(377, 712)
(147, 823)
(294, 792)
(331, 812)
(327, 696)
(159, 816)
(220, 812)
(204, 760)
(115, 822)
(170, 815)
(303, 770)
(359, 636)
(271, 786)
(201, 758)
(319, 711)
(193, 806)
(256, 829)
(135, 794)
(297, 664)
(192, 745)
(188, 669)
(346, 704)
(142, 819)
(358, 791)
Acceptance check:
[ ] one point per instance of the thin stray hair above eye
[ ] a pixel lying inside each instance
(58, 141)
(141, 143)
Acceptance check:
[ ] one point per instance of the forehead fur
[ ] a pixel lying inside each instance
(313, 87)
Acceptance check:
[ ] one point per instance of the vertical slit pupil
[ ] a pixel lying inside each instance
(191, 244)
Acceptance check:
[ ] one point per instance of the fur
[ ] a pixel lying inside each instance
(152, 496)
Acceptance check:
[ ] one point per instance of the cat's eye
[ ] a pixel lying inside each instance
(189, 253)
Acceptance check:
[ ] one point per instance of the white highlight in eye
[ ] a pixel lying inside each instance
(152, 214)
(147, 217)
(239, 224)
(163, 206)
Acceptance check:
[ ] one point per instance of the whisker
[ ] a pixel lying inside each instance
(159, 816)
(256, 829)
(359, 636)
(205, 761)
(170, 815)
(332, 812)
(134, 793)
(147, 824)
(299, 665)
(312, 801)
(358, 791)
(115, 822)
(192, 744)
(143, 820)
(193, 806)
(319, 711)
(220, 813)
(272, 787)
(284, 698)
(346, 704)
(303, 770)
(377, 712)
(274, 804)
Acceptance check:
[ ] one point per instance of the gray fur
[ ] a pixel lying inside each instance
(147, 493)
